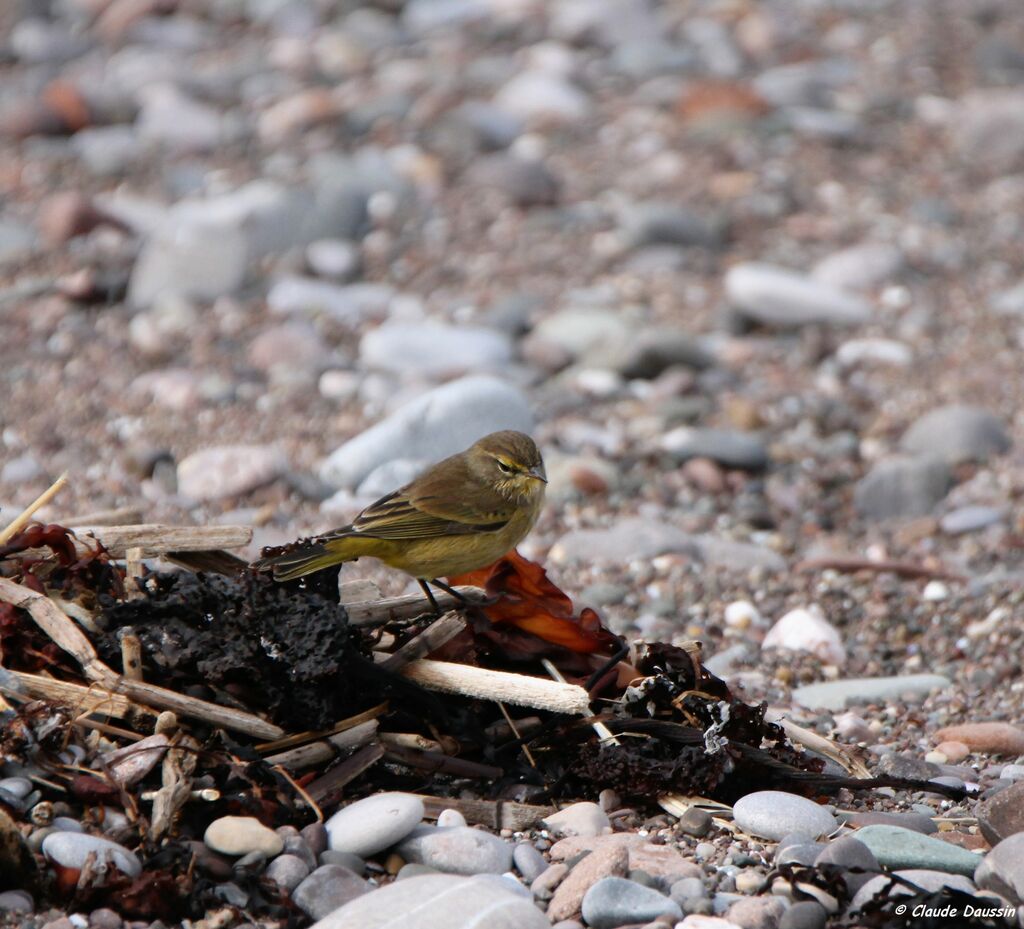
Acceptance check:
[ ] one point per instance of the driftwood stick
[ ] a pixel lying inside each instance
(397, 609)
(21, 520)
(496, 814)
(519, 689)
(83, 699)
(133, 573)
(438, 761)
(155, 539)
(445, 746)
(821, 745)
(301, 738)
(430, 639)
(131, 655)
(305, 756)
(851, 564)
(328, 789)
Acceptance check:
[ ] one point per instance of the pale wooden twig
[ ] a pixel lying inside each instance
(300, 738)
(83, 699)
(305, 756)
(446, 745)
(484, 684)
(178, 765)
(496, 814)
(131, 656)
(396, 609)
(603, 732)
(155, 539)
(20, 521)
(821, 745)
(133, 573)
(301, 791)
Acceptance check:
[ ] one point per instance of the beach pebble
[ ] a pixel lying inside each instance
(615, 901)
(240, 835)
(71, 849)
(771, 814)
(458, 850)
(957, 433)
(325, 890)
(807, 630)
(898, 848)
(373, 824)
(583, 819)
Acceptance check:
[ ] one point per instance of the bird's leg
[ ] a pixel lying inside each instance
(463, 601)
(429, 594)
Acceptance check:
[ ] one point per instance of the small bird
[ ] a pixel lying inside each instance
(461, 514)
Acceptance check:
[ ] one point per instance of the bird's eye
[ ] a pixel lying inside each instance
(505, 469)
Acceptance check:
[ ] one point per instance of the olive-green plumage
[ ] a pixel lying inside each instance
(461, 514)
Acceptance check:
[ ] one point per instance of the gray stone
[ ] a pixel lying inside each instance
(19, 471)
(16, 240)
(529, 862)
(458, 850)
(908, 819)
(860, 267)
(336, 259)
(772, 814)
(757, 912)
(805, 83)
(433, 350)
(328, 888)
(695, 822)
(17, 787)
(615, 901)
(371, 825)
(232, 894)
(928, 880)
(543, 97)
(804, 852)
(957, 433)
(835, 695)
(583, 818)
(580, 331)
(106, 150)
(655, 350)
(439, 423)
(288, 871)
(16, 901)
(348, 303)
(229, 470)
(774, 296)
(441, 901)
(987, 130)
(1002, 869)
(526, 182)
(878, 352)
(292, 352)
(172, 120)
(1010, 302)
(900, 487)
(971, 519)
(657, 223)
(729, 447)
(849, 852)
(355, 863)
(897, 848)
(71, 849)
(389, 476)
(807, 914)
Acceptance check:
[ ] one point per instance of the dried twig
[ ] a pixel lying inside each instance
(300, 738)
(429, 640)
(305, 756)
(821, 745)
(20, 521)
(78, 697)
(484, 684)
(496, 814)
(852, 564)
(397, 609)
(155, 539)
(438, 761)
(131, 655)
(328, 789)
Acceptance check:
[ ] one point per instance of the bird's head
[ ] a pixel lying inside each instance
(510, 462)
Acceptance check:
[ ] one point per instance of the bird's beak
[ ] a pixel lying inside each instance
(538, 473)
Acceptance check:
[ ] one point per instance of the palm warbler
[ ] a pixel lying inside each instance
(462, 514)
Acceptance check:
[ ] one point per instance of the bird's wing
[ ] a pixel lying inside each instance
(421, 515)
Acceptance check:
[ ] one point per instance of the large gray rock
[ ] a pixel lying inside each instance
(616, 901)
(957, 433)
(775, 296)
(440, 901)
(434, 349)
(439, 423)
(834, 695)
(457, 850)
(896, 848)
(1002, 869)
(902, 487)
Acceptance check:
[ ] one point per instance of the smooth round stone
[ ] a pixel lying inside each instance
(1002, 869)
(845, 853)
(460, 850)
(329, 887)
(616, 901)
(807, 914)
(315, 837)
(354, 863)
(240, 835)
(772, 814)
(414, 870)
(529, 862)
(16, 901)
(19, 787)
(71, 849)
(287, 871)
(105, 918)
(903, 848)
(919, 822)
(449, 818)
(756, 912)
(582, 819)
(374, 824)
(66, 824)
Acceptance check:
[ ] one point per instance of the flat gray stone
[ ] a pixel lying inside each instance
(897, 848)
(434, 350)
(848, 852)
(287, 871)
(371, 825)
(835, 695)
(899, 487)
(439, 423)
(439, 901)
(1002, 869)
(971, 519)
(616, 901)
(325, 890)
(229, 470)
(775, 296)
(71, 849)
(772, 814)
(957, 433)
(457, 850)
(729, 447)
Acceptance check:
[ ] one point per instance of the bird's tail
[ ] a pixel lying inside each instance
(304, 557)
